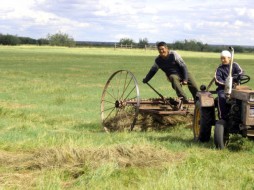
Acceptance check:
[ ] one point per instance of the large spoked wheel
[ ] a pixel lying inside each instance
(202, 122)
(221, 136)
(120, 102)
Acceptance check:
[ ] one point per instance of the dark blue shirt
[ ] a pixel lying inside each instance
(222, 73)
(173, 64)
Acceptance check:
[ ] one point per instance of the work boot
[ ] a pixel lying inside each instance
(184, 100)
(173, 102)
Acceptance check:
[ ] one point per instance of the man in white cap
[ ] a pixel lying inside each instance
(221, 75)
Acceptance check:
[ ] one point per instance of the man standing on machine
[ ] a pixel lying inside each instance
(175, 69)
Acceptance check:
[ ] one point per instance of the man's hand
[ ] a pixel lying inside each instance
(184, 82)
(145, 80)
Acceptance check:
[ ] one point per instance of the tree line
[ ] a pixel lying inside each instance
(189, 45)
(58, 39)
(63, 39)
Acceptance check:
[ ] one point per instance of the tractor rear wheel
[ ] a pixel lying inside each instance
(202, 122)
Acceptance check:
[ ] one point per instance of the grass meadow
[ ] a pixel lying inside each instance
(51, 135)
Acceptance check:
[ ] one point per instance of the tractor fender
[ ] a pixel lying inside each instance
(206, 98)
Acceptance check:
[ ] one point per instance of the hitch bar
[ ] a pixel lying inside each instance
(161, 96)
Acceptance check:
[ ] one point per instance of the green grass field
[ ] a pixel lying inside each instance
(51, 135)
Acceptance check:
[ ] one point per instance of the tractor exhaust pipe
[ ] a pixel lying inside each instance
(229, 80)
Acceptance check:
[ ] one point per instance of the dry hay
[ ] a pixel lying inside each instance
(22, 170)
(150, 122)
(12, 176)
(121, 155)
(120, 122)
(147, 122)
(12, 105)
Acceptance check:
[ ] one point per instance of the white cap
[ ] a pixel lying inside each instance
(225, 53)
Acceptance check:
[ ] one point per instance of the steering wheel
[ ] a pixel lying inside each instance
(243, 79)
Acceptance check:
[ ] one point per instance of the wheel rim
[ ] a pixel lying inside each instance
(196, 123)
(120, 101)
(244, 79)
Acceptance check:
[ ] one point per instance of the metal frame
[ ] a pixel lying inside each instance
(115, 99)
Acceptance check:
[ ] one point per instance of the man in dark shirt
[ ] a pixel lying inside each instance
(175, 69)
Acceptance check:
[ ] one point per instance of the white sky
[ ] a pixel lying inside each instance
(228, 22)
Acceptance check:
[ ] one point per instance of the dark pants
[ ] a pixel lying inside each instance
(223, 107)
(177, 86)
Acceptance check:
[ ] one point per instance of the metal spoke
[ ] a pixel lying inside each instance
(109, 102)
(110, 87)
(126, 88)
(109, 114)
(118, 84)
(111, 95)
(129, 93)
(109, 109)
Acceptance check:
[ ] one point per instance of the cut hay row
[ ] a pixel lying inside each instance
(121, 155)
(24, 167)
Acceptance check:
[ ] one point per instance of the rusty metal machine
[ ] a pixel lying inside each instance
(121, 102)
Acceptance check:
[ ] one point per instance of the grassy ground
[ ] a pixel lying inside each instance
(51, 136)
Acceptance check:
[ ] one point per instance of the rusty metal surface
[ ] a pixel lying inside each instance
(241, 94)
(206, 99)
(247, 113)
(165, 112)
(160, 107)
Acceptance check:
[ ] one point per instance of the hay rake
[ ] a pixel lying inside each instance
(121, 103)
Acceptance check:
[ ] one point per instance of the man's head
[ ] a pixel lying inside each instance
(162, 49)
(225, 57)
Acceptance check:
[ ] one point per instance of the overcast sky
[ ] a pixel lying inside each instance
(228, 22)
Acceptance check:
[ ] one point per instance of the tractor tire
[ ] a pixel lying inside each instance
(220, 137)
(203, 120)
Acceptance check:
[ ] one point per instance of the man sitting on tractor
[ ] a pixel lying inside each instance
(175, 69)
(221, 75)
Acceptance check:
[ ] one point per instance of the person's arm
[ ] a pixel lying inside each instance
(183, 67)
(151, 73)
(218, 78)
(238, 70)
